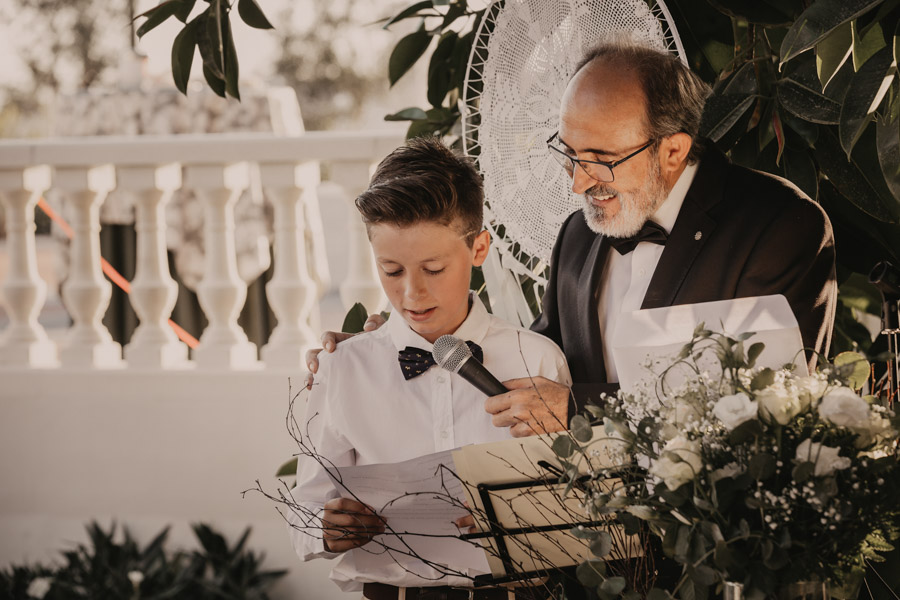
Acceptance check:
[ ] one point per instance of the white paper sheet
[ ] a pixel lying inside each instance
(660, 333)
(419, 499)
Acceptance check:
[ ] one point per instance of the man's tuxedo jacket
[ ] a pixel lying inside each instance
(739, 233)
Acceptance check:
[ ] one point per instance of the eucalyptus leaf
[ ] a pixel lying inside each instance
(854, 368)
(613, 586)
(803, 471)
(591, 573)
(581, 429)
(754, 352)
(816, 22)
(253, 15)
(287, 469)
(564, 446)
(867, 89)
(762, 466)
(602, 545)
(763, 379)
(832, 51)
(405, 54)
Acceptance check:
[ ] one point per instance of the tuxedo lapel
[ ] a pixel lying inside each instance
(589, 334)
(692, 229)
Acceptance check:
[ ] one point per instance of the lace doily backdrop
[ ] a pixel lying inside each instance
(524, 55)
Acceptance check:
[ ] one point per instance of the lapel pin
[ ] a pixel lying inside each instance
(698, 235)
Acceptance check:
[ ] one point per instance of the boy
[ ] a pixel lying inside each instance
(370, 404)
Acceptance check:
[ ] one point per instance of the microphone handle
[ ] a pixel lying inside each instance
(475, 373)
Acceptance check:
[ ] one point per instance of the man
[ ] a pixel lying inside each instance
(628, 137)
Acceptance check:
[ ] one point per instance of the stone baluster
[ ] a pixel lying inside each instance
(362, 284)
(25, 343)
(85, 292)
(153, 291)
(291, 291)
(309, 178)
(221, 292)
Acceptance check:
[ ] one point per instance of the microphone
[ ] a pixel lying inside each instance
(453, 354)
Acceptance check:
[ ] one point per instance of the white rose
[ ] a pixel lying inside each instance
(38, 587)
(729, 470)
(675, 473)
(810, 390)
(825, 458)
(842, 407)
(735, 409)
(778, 404)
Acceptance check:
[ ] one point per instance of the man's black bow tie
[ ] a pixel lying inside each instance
(415, 361)
(650, 232)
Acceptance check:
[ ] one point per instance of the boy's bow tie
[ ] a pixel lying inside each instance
(415, 361)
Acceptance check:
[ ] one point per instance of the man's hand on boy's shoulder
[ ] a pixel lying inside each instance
(348, 524)
(534, 405)
(330, 340)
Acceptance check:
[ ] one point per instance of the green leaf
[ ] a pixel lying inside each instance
(887, 136)
(803, 471)
(231, 60)
(816, 22)
(867, 89)
(762, 466)
(581, 429)
(253, 15)
(209, 41)
(865, 47)
(409, 11)
(440, 2)
(288, 468)
(832, 51)
(855, 368)
(183, 54)
(721, 113)
(564, 446)
(184, 10)
(405, 54)
(591, 573)
(659, 594)
(851, 181)
(439, 73)
(602, 545)
(407, 114)
(355, 319)
(763, 379)
(682, 543)
(807, 103)
(723, 556)
(801, 170)
(155, 16)
(215, 84)
(754, 352)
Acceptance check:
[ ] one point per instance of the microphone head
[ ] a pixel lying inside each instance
(450, 352)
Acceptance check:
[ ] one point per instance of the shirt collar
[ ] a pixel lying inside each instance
(474, 328)
(668, 211)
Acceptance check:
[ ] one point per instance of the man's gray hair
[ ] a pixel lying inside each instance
(674, 94)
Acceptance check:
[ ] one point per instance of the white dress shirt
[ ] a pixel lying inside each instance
(362, 411)
(625, 278)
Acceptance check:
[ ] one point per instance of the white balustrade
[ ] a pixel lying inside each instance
(25, 343)
(291, 291)
(361, 284)
(153, 291)
(221, 291)
(86, 293)
(85, 170)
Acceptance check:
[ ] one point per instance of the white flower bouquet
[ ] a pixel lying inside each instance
(744, 474)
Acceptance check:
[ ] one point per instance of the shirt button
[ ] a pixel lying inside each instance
(440, 379)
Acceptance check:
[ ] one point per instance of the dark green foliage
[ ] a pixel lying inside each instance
(106, 568)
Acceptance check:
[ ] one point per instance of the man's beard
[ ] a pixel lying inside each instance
(634, 207)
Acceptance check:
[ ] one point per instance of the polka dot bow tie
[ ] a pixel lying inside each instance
(650, 232)
(415, 361)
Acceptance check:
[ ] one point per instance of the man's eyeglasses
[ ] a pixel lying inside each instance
(596, 169)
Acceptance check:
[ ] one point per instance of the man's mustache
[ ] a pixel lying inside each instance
(600, 190)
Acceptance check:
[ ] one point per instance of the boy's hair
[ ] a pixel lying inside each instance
(424, 180)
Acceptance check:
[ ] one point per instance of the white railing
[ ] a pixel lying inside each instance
(216, 167)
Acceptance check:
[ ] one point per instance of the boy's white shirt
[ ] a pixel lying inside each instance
(362, 411)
